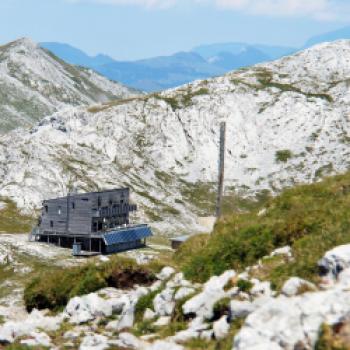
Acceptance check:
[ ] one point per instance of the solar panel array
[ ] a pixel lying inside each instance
(127, 235)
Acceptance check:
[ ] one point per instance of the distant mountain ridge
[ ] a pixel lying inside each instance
(202, 62)
(160, 73)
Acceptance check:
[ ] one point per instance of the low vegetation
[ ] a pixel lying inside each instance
(12, 220)
(282, 156)
(53, 288)
(310, 218)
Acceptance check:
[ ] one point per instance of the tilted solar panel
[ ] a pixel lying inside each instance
(127, 235)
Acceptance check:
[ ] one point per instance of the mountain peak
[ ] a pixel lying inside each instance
(25, 42)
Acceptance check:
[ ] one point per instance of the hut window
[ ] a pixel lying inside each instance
(51, 224)
(85, 199)
(99, 201)
(73, 205)
(59, 210)
(46, 209)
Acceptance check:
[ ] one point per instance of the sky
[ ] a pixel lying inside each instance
(134, 29)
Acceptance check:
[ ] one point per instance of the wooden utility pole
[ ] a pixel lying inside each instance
(221, 169)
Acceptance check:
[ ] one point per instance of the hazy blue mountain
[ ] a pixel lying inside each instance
(75, 56)
(164, 72)
(273, 52)
(343, 33)
(160, 73)
(247, 57)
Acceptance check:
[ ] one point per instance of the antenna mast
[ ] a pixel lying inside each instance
(221, 169)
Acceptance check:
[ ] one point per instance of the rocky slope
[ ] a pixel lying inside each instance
(35, 83)
(174, 313)
(287, 121)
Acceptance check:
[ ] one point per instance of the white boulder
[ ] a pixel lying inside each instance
(86, 308)
(295, 285)
(183, 292)
(292, 320)
(335, 261)
(286, 251)
(11, 330)
(149, 314)
(241, 309)
(261, 288)
(129, 341)
(94, 342)
(162, 321)
(221, 328)
(37, 339)
(164, 303)
(213, 290)
(166, 273)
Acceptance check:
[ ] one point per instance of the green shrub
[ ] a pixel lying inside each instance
(53, 288)
(145, 302)
(283, 155)
(310, 218)
(244, 285)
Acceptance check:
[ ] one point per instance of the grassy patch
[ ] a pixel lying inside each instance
(183, 98)
(53, 288)
(282, 156)
(244, 285)
(310, 218)
(145, 302)
(328, 340)
(12, 220)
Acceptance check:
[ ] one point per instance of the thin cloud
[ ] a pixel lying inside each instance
(144, 3)
(318, 9)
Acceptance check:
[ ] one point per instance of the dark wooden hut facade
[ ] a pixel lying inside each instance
(98, 221)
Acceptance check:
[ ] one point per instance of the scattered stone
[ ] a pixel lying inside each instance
(166, 273)
(86, 308)
(72, 335)
(221, 328)
(37, 339)
(129, 341)
(163, 303)
(94, 342)
(292, 320)
(261, 288)
(155, 286)
(149, 314)
(11, 330)
(241, 309)
(183, 292)
(162, 321)
(286, 251)
(213, 290)
(296, 285)
(335, 261)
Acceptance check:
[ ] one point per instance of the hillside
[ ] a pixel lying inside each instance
(34, 83)
(287, 121)
(276, 277)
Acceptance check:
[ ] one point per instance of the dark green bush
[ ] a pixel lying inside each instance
(53, 288)
(244, 285)
(283, 155)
